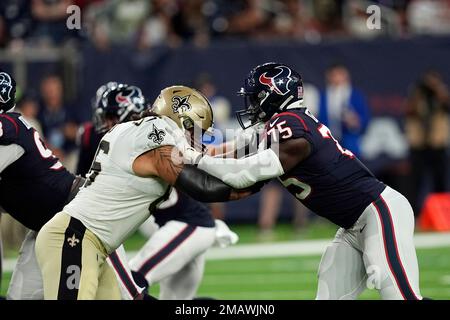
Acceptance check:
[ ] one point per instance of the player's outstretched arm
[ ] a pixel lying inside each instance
(264, 165)
(244, 172)
(166, 162)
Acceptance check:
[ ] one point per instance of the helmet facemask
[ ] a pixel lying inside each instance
(253, 112)
(196, 135)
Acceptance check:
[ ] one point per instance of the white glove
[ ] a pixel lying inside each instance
(224, 236)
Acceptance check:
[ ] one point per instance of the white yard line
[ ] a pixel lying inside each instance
(308, 247)
(288, 249)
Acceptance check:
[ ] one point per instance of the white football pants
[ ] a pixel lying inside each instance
(174, 256)
(377, 252)
(26, 281)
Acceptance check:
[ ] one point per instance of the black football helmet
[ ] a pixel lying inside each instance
(268, 89)
(118, 103)
(7, 92)
(95, 102)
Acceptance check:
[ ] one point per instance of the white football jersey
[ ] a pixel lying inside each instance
(114, 202)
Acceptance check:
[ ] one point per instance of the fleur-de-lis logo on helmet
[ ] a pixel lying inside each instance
(181, 104)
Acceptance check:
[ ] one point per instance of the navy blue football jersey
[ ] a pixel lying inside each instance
(36, 186)
(185, 209)
(331, 181)
(88, 142)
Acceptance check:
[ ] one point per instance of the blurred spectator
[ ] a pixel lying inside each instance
(289, 21)
(147, 23)
(221, 111)
(189, 22)
(16, 21)
(157, 28)
(85, 4)
(328, 17)
(428, 133)
(429, 17)
(3, 32)
(269, 209)
(59, 129)
(29, 108)
(343, 108)
(50, 20)
(117, 21)
(311, 97)
(252, 19)
(220, 105)
(356, 20)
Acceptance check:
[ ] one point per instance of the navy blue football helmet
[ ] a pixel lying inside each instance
(7, 92)
(268, 89)
(95, 102)
(117, 103)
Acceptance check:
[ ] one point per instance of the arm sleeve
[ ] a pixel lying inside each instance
(242, 173)
(265, 164)
(201, 186)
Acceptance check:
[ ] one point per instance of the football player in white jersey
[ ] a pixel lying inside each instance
(137, 162)
(181, 230)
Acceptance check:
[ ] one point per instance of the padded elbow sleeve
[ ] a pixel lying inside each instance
(242, 173)
(201, 186)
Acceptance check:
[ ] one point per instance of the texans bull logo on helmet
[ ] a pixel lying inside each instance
(133, 96)
(121, 99)
(277, 82)
(5, 87)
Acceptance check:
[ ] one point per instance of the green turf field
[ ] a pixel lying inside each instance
(293, 277)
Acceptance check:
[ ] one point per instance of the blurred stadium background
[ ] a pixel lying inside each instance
(398, 68)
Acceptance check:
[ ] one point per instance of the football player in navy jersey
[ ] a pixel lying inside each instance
(88, 135)
(374, 245)
(174, 255)
(34, 185)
